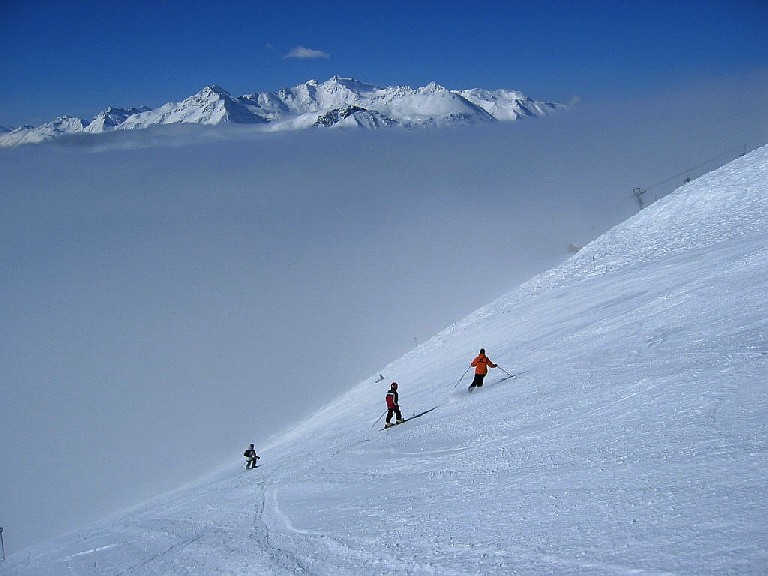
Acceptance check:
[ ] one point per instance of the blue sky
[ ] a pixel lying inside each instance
(68, 57)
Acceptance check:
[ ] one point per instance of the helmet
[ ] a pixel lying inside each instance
(394, 385)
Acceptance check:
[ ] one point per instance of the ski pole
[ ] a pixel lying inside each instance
(502, 369)
(462, 377)
(508, 374)
(379, 418)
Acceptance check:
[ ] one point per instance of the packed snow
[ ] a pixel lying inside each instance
(631, 439)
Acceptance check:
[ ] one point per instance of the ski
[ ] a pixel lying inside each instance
(419, 415)
(395, 424)
(504, 379)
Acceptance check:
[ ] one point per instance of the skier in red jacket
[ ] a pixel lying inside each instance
(481, 364)
(393, 407)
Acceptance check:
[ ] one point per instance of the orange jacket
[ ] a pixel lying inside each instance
(481, 364)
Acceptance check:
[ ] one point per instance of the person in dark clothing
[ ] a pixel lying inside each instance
(393, 407)
(481, 364)
(250, 457)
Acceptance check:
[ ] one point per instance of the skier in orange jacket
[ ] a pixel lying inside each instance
(481, 364)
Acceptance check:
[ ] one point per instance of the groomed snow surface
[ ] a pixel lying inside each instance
(634, 442)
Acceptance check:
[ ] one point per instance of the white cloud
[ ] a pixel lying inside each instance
(304, 52)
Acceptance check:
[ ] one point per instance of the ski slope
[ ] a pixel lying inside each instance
(634, 441)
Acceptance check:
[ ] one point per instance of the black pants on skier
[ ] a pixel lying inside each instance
(478, 381)
(396, 412)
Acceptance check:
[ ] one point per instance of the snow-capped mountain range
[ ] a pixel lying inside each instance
(338, 102)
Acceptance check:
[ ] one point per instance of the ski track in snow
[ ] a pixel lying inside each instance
(635, 441)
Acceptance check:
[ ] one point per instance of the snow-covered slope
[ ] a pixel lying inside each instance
(34, 135)
(633, 441)
(336, 102)
(111, 118)
(212, 105)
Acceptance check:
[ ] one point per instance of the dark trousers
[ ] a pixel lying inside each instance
(478, 381)
(396, 412)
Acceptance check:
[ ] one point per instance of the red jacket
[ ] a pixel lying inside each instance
(481, 364)
(392, 399)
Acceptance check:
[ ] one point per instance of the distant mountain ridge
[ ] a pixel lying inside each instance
(338, 102)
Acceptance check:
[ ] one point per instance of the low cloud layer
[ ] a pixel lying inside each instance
(167, 300)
